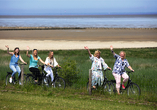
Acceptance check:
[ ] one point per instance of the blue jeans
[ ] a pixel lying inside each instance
(15, 68)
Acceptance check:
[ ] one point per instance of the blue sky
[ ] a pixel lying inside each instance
(66, 7)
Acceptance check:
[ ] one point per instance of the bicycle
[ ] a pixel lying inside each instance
(14, 81)
(58, 82)
(132, 88)
(31, 78)
(107, 85)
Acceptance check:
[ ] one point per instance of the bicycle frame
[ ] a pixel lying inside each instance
(56, 75)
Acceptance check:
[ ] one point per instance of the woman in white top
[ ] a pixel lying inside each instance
(50, 62)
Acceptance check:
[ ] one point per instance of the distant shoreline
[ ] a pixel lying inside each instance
(77, 16)
(67, 28)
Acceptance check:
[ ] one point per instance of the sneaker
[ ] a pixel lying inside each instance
(123, 86)
(10, 80)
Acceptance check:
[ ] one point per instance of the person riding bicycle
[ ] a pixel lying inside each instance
(97, 64)
(50, 62)
(15, 56)
(119, 69)
(33, 64)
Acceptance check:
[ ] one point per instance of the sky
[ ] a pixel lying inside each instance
(77, 7)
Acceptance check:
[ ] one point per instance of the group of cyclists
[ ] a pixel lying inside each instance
(98, 64)
(34, 58)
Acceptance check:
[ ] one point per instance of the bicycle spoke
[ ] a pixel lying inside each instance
(7, 80)
(109, 87)
(30, 80)
(133, 90)
(59, 83)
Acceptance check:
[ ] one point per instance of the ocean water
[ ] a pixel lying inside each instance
(94, 21)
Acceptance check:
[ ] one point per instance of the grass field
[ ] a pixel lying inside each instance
(143, 61)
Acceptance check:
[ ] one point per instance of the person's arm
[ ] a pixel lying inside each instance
(128, 65)
(56, 64)
(42, 61)
(105, 66)
(111, 48)
(130, 68)
(88, 50)
(22, 60)
(10, 53)
(27, 52)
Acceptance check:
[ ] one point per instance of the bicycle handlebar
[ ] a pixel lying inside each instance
(129, 71)
(56, 67)
(21, 63)
(107, 69)
(40, 65)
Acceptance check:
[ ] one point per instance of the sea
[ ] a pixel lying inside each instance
(80, 21)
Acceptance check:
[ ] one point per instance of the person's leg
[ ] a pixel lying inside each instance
(38, 74)
(19, 75)
(101, 77)
(18, 70)
(118, 80)
(125, 78)
(94, 79)
(51, 75)
(12, 67)
(47, 71)
(34, 73)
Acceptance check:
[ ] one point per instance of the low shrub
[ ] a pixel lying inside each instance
(69, 72)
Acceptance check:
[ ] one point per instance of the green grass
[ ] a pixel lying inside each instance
(46, 98)
(143, 61)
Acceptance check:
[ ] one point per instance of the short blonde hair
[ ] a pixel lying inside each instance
(124, 54)
(97, 51)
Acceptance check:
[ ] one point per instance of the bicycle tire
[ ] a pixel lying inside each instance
(91, 87)
(87, 85)
(30, 79)
(109, 88)
(7, 79)
(59, 83)
(133, 90)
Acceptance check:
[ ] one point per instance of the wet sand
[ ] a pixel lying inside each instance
(77, 38)
(82, 34)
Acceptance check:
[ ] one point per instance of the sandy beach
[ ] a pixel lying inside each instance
(78, 38)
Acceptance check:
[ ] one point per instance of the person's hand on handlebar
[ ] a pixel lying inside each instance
(109, 68)
(59, 66)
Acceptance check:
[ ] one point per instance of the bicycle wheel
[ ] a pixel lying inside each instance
(133, 90)
(30, 80)
(109, 87)
(7, 80)
(87, 86)
(59, 83)
(91, 87)
(45, 81)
